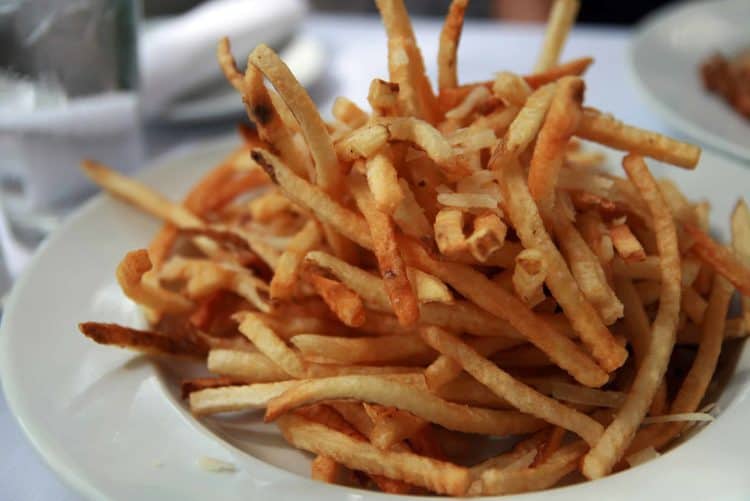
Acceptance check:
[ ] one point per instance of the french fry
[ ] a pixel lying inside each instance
(429, 288)
(720, 259)
(523, 213)
(391, 265)
(609, 131)
(626, 244)
(410, 217)
(472, 101)
(449, 39)
(347, 112)
(524, 127)
(529, 275)
(391, 425)
(613, 444)
(325, 469)
(435, 475)
(586, 268)
(383, 181)
(245, 366)
(574, 67)
(383, 97)
(502, 384)
(237, 398)
(404, 396)
(510, 88)
(693, 305)
(143, 341)
(449, 231)
(228, 65)
(362, 143)
(637, 325)
(363, 350)
(343, 302)
(487, 236)
(494, 299)
(130, 275)
(561, 19)
(559, 125)
(287, 269)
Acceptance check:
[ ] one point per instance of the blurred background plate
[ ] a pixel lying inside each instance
(304, 55)
(665, 57)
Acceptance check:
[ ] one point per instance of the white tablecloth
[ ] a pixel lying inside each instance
(357, 54)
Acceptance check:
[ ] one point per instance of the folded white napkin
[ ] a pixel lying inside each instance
(178, 55)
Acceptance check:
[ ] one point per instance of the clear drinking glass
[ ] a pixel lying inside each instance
(68, 90)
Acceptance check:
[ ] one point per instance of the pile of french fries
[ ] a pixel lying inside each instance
(444, 266)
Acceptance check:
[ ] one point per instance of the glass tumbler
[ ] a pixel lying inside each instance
(68, 91)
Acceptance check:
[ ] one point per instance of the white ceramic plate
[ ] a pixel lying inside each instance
(111, 424)
(304, 55)
(665, 56)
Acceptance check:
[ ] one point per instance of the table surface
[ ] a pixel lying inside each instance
(357, 53)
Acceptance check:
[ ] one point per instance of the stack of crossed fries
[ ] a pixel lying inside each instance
(446, 264)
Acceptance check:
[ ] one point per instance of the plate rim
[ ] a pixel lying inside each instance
(79, 481)
(698, 133)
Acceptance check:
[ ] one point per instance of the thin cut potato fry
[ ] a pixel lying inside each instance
(363, 350)
(607, 130)
(237, 398)
(473, 100)
(511, 88)
(523, 213)
(349, 113)
(487, 236)
(524, 127)
(345, 303)
(287, 268)
(494, 299)
(518, 394)
(143, 341)
(392, 268)
(391, 425)
(325, 469)
(693, 305)
(561, 19)
(406, 397)
(383, 97)
(426, 137)
(130, 275)
(529, 275)
(449, 231)
(438, 476)
(449, 39)
(429, 288)
(269, 343)
(613, 444)
(362, 142)
(382, 179)
(721, 259)
(559, 125)
(410, 217)
(586, 268)
(626, 244)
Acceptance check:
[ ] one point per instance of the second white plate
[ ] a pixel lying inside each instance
(665, 58)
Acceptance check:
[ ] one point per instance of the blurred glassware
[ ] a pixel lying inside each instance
(68, 90)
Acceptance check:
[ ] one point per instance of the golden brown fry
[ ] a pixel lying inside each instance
(511, 88)
(346, 111)
(391, 265)
(449, 39)
(524, 127)
(502, 384)
(721, 259)
(626, 243)
(228, 65)
(143, 341)
(391, 425)
(524, 215)
(435, 475)
(130, 275)
(237, 398)
(559, 125)
(561, 19)
(343, 302)
(487, 236)
(494, 299)
(529, 275)
(449, 231)
(586, 268)
(407, 397)
(383, 97)
(245, 366)
(325, 469)
(574, 67)
(613, 444)
(609, 131)
(363, 350)
(383, 181)
(287, 268)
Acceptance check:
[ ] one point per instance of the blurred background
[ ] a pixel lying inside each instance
(592, 11)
